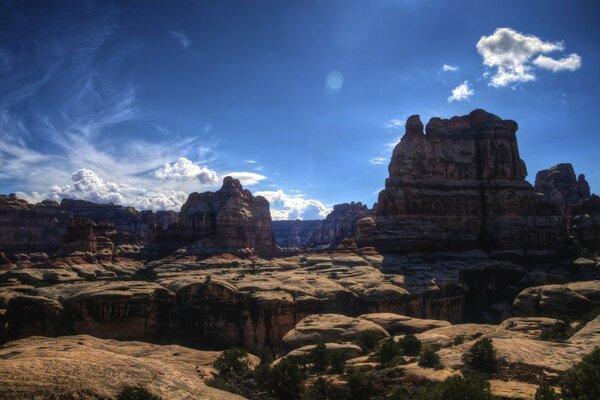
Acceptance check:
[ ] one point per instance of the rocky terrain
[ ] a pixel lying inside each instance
(459, 248)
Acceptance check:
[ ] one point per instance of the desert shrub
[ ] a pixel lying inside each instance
(136, 393)
(337, 361)
(285, 380)
(410, 345)
(319, 357)
(367, 340)
(546, 392)
(232, 361)
(265, 355)
(207, 279)
(323, 389)
(389, 352)
(428, 357)
(582, 382)
(457, 340)
(559, 331)
(468, 387)
(360, 385)
(400, 393)
(481, 356)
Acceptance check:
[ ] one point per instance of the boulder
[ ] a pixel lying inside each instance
(325, 328)
(396, 324)
(558, 300)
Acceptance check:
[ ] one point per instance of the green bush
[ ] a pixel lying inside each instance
(136, 393)
(232, 361)
(458, 339)
(560, 331)
(582, 382)
(410, 345)
(400, 393)
(367, 340)
(360, 385)
(546, 392)
(337, 361)
(389, 351)
(428, 357)
(285, 380)
(481, 356)
(319, 357)
(469, 387)
(323, 389)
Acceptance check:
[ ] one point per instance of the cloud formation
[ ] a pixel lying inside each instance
(461, 93)
(378, 160)
(247, 178)
(87, 185)
(394, 123)
(286, 206)
(449, 68)
(182, 38)
(184, 169)
(513, 56)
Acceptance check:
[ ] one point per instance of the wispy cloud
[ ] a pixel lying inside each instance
(182, 38)
(449, 68)
(461, 93)
(378, 160)
(394, 123)
(247, 178)
(513, 56)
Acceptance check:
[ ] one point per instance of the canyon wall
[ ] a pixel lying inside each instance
(559, 185)
(295, 233)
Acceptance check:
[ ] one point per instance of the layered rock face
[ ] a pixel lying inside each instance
(296, 233)
(26, 227)
(340, 224)
(461, 184)
(230, 218)
(584, 222)
(559, 185)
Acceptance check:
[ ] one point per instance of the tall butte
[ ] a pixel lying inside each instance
(230, 218)
(460, 185)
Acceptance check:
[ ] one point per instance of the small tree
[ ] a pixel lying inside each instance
(232, 361)
(559, 331)
(136, 393)
(360, 385)
(410, 345)
(546, 392)
(428, 357)
(319, 357)
(389, 351)
(468, 387)
(582, 382)
(337, 360)
(481, 356)
(286, 380)
(367, 340)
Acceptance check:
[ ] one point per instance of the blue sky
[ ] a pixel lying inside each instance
(144, 102)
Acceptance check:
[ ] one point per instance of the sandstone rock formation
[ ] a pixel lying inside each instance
(461, 184)
(558, 300)
(340, 224)
(116, 310)
(559, 185)
(230, 219)
(83, 367)
(584, 222)
(296, 233)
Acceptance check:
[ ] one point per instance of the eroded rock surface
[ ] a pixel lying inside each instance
(558, 300)
(83, 367)
(340, 224)
(296, 233)
(461, 184)
(559, 184)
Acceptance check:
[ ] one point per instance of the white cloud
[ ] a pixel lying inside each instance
(394, 123)
(449, 68)
(183, 169)
(393, 143)
(286, 206)
(511, 54)
(87, 185)
(247, 178)
(461, 92)
(378, 160)
(570, 63)
(182, 38)
(250, 161)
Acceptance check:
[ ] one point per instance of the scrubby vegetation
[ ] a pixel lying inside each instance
(136, 393)
(410, 345)
(582, 382)
(560, 331)
(546, 392)
(468, 387)
(481, 356)
(367, 340)
(428, 357)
